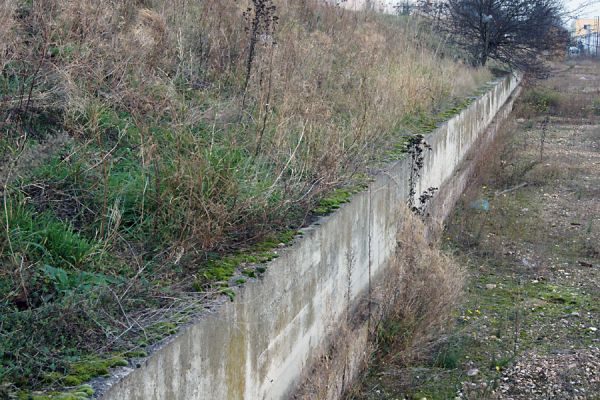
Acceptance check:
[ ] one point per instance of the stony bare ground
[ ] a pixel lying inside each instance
(566, 362)
(571, 375)
(530, 324)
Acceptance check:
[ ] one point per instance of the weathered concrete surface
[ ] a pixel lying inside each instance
(262, 345)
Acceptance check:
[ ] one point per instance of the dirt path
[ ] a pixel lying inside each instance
(530, 325)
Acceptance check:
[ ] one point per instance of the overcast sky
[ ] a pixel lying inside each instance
(593, 10)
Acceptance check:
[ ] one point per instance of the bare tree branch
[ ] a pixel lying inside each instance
(512, 32)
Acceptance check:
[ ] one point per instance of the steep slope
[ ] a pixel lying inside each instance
(150, 149)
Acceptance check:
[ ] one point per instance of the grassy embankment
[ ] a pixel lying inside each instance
(153, 152)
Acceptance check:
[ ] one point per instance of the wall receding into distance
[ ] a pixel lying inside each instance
(263, 344)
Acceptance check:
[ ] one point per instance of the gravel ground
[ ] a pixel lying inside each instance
(570, 375)
(571, 217)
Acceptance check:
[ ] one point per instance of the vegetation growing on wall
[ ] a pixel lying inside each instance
(151, 152)
(417, 146)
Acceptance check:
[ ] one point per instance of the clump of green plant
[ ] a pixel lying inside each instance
(83, 371)
(541, 100)
(596, 106)
(220, 269)
(81, 392)
(451, 354)
(333, 201)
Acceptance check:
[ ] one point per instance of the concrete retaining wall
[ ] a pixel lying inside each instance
(262, 345)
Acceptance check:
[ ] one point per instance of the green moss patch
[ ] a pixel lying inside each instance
(80, 393)
(221, 269)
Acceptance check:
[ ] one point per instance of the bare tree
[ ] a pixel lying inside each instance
(513, 32)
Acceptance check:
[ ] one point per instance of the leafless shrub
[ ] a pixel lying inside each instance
(513, 32)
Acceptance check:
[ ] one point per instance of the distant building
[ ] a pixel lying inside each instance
(583, 26)
(383, 6)
(586, 36)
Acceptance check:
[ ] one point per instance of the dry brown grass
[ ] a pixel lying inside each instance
(425, 288)
(555, 96)
(325, 94)
(407, 314)
(7, 9)
(166, 159)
